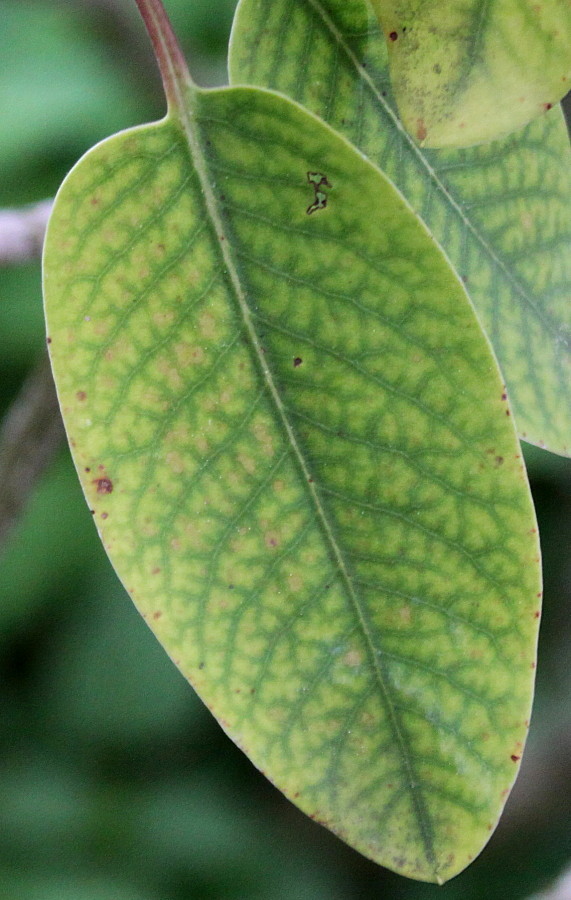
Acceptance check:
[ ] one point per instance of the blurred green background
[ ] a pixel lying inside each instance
(115, 782)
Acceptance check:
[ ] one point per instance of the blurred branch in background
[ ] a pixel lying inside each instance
(22, 232)
(30, 434)
(32, 429)
(561, 890)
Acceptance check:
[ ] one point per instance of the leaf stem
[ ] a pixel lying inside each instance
(172, 64)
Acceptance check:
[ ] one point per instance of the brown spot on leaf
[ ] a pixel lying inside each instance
(405, 614)
(393, 36)
(81, 396)
(104, 485)
(295, 582)
(104, 515)
(515, 758)
(271, 539)
(157, 614)
(421, 131)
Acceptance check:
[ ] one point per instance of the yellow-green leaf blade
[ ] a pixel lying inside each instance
(471, 71)
(502, 212)
(296, 445)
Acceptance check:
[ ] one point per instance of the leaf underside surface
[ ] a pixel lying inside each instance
(474, 70)
(502, 211)
(297, 448)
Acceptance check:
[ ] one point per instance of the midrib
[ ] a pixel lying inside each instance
(187, 117)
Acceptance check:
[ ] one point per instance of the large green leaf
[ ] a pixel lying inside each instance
(298, 451)
(501, 211)
(466, 71)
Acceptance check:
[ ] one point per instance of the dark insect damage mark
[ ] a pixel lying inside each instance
(393, 36)
(297, 362)
(318, 180)
(515, 758)
(104, 485)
